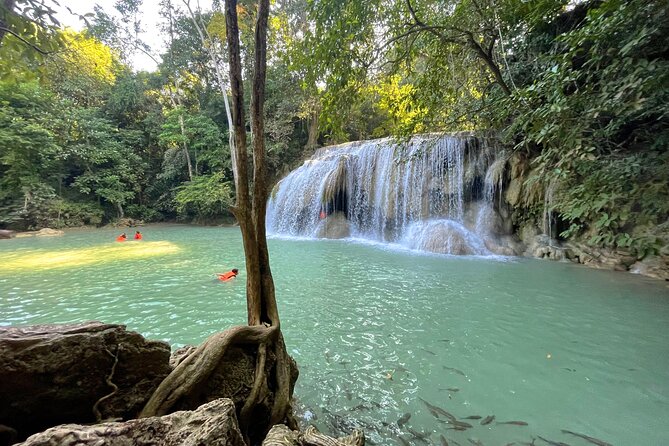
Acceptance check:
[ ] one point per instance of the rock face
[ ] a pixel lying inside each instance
(212, 424)
(4, 233)
(54, 374)
(46, 232)
(281, 435)
(334, 226)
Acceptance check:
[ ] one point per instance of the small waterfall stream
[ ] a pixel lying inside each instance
(433, 193)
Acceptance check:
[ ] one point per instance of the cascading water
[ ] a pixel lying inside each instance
(432, 193)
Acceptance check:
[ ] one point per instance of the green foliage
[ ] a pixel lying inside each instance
(206, 196)
(597, 116)
(29, 33)
(64, 214)
(83, 71)
(144, 213)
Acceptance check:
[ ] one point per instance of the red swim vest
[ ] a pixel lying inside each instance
(120, 238)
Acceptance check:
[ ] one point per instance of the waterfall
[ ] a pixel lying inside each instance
(432, 193)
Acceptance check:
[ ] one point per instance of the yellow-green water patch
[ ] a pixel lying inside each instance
(67, 258)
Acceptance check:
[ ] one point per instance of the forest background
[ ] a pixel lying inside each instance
(576, 90)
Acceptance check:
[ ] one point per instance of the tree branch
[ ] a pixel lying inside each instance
(30, 44)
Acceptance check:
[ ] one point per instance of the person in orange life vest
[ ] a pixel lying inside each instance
(322, 215)
(228, 276)
(138, 235)
(121, 238)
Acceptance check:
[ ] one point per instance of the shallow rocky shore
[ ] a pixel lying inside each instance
(85, 384)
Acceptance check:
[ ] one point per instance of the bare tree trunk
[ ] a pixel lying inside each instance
(185, 147)
(272, 385)
(312, 140)
(268, 310)
(208, 43)
(242, 209)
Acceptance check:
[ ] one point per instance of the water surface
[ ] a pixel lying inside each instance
(376, 330)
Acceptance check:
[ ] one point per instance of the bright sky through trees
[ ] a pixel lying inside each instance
(151, 23)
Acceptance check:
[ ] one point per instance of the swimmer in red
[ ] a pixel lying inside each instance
(138, 235)
(228, 276)
(121, 238)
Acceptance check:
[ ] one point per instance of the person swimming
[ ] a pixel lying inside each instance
(138, 235)
(122, 238)
(224, 277)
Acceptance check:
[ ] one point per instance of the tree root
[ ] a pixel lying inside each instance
(281, 409)
(196, 369)
(110, 383)
(259, 388)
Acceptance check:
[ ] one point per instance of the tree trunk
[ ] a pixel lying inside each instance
(272, 385)
(210, 45)
(185, 148)
(268, 310)
(312, 140)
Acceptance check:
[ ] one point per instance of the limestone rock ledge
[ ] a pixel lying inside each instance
(55, 374)
(212, 424)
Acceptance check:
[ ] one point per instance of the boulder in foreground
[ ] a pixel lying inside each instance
(212, 424)
(75, 373)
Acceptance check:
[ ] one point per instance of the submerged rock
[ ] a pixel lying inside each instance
(653, 266)
(444, 237)
(46, 232)
(54, 374)
(334, 226)
(212, 424)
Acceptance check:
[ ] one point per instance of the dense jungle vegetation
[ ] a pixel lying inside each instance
(575, 90)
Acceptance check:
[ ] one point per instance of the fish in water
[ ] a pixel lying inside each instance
(403, 419)
(404, 441)
(428, 351)
(553, 443)
(451, 389)
(459, 372)
(587, 438)
(458, 427)
(473, 417)
(444, 441)
(568, 369)
(515, 423)
(421, 436)
(475, 442)
(487, 420)
(436, 411)
(444, 340)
